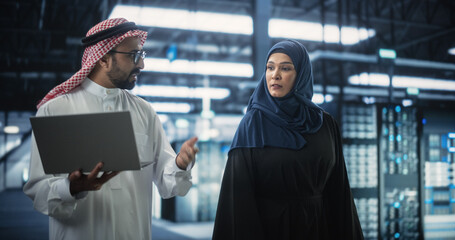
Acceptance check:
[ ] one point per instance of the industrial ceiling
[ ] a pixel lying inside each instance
(40, 45)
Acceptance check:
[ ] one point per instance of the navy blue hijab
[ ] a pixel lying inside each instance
(280, 122)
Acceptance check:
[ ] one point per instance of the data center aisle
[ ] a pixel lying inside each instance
(18, 220)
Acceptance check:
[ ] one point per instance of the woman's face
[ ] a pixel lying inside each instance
(280, 74)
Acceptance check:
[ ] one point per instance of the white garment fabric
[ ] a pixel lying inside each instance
(122, 208)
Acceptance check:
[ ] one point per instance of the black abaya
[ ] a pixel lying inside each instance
(278, 193)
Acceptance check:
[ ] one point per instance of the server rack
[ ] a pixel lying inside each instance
(438, 155)
(380, 144)
(399, 179)
(359, 124)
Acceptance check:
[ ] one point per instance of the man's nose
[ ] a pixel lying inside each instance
(141, 64)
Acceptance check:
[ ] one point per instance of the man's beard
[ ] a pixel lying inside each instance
(123, 83)
(116, 76)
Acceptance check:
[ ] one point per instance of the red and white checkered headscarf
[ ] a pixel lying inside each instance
(93, 54)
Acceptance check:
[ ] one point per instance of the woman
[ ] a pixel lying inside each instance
(285, 177)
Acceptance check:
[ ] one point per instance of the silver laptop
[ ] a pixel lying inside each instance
(70, 142)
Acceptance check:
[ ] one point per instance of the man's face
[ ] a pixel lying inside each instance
(124, 72)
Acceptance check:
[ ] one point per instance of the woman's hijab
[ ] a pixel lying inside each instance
(281, 122)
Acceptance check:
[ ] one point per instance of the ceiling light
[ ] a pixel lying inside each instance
(184, 19)
(11, 129)
(369, 100)
(328, 98)
(238, 24)
(182, 123)
(406, 102)
(412, 91)
(171, 107)
(312, 31)
(452, 51)
(318, 98)
(378, 79)
(387, 53)
(180, 92)
(199, 67)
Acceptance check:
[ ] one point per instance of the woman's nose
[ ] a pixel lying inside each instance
(276, 75)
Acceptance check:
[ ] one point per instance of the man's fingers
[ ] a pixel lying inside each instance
(94, 173)
(107, 176)
(190, 152)
(74, 175)
(192, 141)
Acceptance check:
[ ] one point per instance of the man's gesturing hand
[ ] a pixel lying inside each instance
(80, 182)
(187, 153)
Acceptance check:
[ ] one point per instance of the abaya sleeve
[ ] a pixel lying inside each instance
(342, 212)
(237, 216)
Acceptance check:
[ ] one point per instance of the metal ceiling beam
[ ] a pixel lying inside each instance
(426, 38)
(355, 57)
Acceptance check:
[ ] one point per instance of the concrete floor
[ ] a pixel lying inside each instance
(18, 220)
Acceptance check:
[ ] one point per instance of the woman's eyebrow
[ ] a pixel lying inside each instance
(281, 62)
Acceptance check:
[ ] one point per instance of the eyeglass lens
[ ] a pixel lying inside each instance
(139, 54)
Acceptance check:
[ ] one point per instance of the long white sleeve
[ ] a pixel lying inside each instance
(169, 179)
(50, 194)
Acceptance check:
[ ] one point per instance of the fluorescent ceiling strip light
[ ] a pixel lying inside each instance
(171, 107)
(452, 51)
(312, 31)
(199, 67)
(184, 19)
(377, 79)
(238, 24)
(11, 129)
(180, 92)
(318, 98)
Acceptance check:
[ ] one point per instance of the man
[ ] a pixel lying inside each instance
(111, 205)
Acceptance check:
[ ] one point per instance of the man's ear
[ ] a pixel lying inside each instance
(105, 61)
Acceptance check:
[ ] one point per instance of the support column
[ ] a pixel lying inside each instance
(261, 40)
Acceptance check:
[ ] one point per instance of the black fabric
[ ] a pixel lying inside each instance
(279, 193)
(107, 33)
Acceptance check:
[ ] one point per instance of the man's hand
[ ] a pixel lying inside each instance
(187, 153)
(80, 182)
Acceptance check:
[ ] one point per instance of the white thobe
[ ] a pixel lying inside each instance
(121, 209)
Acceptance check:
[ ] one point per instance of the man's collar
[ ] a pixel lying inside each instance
(98, 90)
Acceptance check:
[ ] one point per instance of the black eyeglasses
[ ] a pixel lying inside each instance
(136, 54)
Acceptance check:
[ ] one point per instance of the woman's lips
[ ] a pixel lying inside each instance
(276, 86)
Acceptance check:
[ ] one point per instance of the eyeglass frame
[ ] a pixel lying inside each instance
(136, 54)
